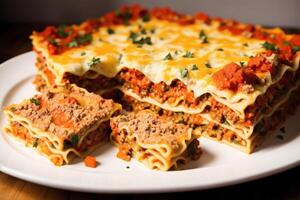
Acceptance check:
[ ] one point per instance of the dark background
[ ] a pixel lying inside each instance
(19, 18)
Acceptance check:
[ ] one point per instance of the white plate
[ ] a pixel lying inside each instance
(219, 165)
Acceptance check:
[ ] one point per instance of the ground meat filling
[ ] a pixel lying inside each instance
(62, 113)
(194, 121)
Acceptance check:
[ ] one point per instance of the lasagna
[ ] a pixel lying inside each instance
(154, 140)
(62, 124)
(233, 75)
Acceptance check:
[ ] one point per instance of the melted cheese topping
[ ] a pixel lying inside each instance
(117, 50)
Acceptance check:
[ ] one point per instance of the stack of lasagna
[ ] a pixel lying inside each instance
(177, 77)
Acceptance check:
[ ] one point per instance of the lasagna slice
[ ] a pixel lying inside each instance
(153, 140)
(209, 129)
(62, 124)
(231, 74)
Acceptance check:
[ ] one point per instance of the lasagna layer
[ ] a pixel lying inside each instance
(202, 127)
(62, 123)
(155, 141)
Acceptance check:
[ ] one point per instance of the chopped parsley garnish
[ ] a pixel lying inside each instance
(146, 40)
(143, 31)
(133, 36)
(269, 46)
(110, 31)
(207, 64)
(35, 101)
(245, 45)
(184, 72)
(295, 49)
(203, 37)
(74, 43)
(61, 31)
(220, 49)
(80, 40)
(83, 39)
(188, 54)
(242, 63)
(286, 43)
(146, 17)
(35, 143)
(152, 31)
(168, 57)
(52, 41)
(94, 62)
(194, 67)
(176, 52)
(74, 140)
(83, 54)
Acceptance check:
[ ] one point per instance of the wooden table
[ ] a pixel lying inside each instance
(14, 40)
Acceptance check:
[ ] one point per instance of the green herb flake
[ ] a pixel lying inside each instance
(184, 72)
(52, 41)
(74, 140)
(295, 49)
(152, 31)
(74, 43)
(61, 31)
(146, 17)
(94, 62)
(207, 64)
(133, 36)
(188, 54)
(142, 41)
(83, 53)
(110, 31)
(84, 39)
(35, 143)
(269, 46)
(220, 49)
(203, 37)
(287, 43)
(242, 64)
(168, 57)
(194, 67)
(143, 31)
(245, 45)
(35, 101)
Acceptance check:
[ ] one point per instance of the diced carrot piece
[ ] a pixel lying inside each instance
(90, 161)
